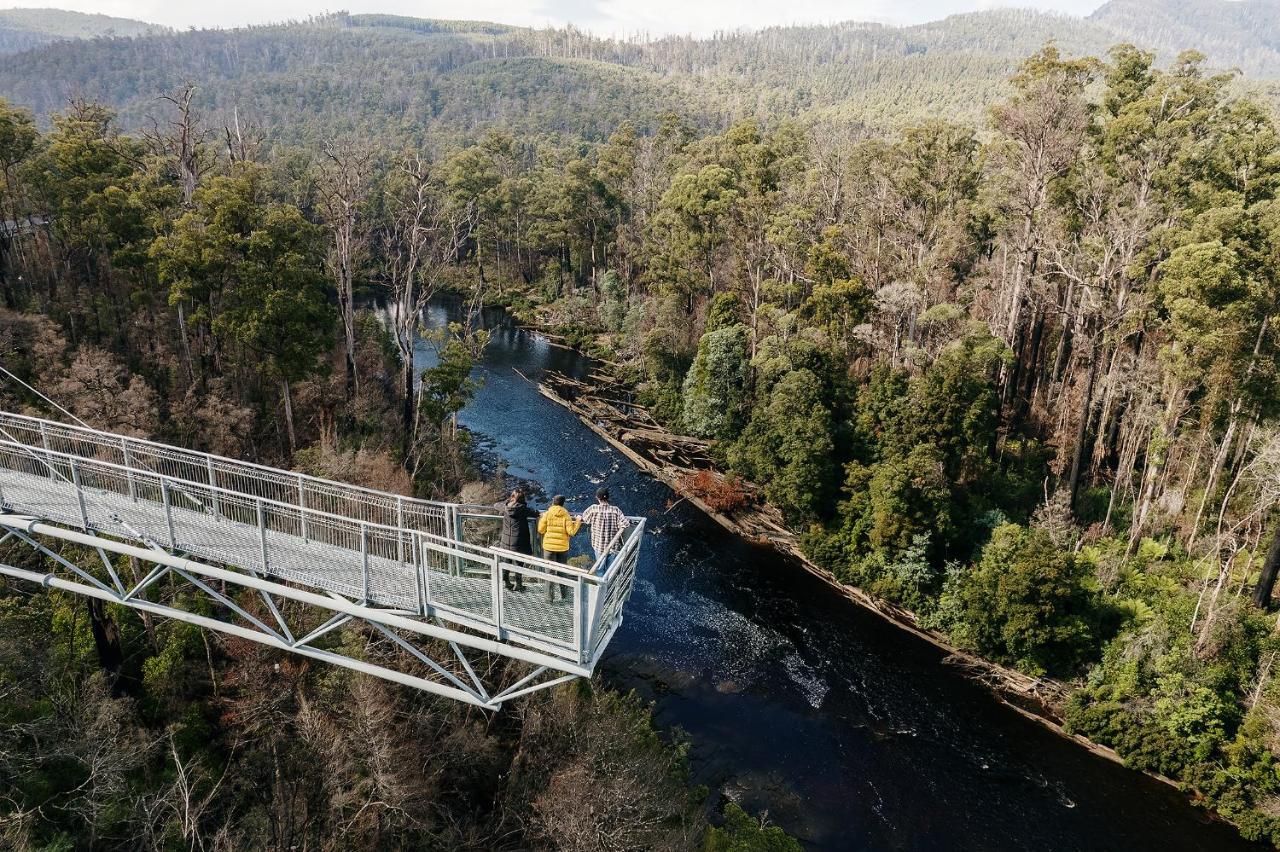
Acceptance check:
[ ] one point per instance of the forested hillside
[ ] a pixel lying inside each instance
(1244, 33)
(1011, 368)
(24, 29)
(405, 79)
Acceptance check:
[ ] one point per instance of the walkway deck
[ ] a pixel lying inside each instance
(418, 558)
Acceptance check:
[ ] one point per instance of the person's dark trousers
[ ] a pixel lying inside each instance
(563, 558)
(509, 576)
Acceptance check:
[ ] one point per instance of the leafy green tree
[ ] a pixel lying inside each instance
(894, 501)
(1027, 603)
(715, 389)
(789, 446)
(724, 311)
(255, 269)
(687, 231)
(279, 309)
(954, 406)
(18, 137)
(447, 387)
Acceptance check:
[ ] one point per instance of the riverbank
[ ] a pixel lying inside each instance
(731, 647)
(673, 459)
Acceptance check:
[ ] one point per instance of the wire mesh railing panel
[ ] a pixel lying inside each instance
(459, 580)
(188, 466)
(480, 530)
(378, 548)
(546, 609)
(619, 580)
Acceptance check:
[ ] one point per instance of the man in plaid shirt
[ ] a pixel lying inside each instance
(606, 521)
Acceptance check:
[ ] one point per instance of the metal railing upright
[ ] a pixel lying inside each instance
(382, 549)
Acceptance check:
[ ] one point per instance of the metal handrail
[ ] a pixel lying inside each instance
(596, 600)
(230, 466)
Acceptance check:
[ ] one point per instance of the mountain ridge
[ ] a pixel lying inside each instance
(27, 28)
(418, 79)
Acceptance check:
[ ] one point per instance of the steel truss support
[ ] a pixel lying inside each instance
(464, 685)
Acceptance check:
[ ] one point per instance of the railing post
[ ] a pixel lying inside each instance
(420, 575)
(302, 507)
(400, 529)
(262, 535)
(497, 596)
(128, 470)
(578, 609)
(213, 486)
(75, 480)
(364, 557)
(448, 533)
(168, 512)
(420, 560)
(48, 457)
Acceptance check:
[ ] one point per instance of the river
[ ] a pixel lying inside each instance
(848, 731)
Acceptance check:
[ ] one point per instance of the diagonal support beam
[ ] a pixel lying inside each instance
(275, 612)
(228, 603)
(332, 624)
(466, 664)
(521, 682)
(546, 684)
(154, 574)
(482, 695)
(112, 571)
(54, 582)
(64, 562)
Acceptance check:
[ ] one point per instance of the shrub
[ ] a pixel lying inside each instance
(1026, 603)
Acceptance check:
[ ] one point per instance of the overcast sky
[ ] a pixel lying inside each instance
(607, 17)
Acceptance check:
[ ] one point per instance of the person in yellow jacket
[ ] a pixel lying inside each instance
(557, 528)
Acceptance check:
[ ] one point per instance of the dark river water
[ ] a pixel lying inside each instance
(849, 732)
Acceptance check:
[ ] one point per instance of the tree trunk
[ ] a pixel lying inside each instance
(1219, 462)
(186, 343)
(288, 417)
(407, 409)
(106, 639)
(1082, 430)
(1270, 567)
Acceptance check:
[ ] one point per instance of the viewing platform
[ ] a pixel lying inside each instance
(427, 569)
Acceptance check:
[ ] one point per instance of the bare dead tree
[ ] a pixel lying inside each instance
(184, 140)
(421, 239)
(244, 139)
(344, 187)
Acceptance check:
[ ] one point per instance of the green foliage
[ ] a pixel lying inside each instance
(725, 311)
(744, 833)
(447, 387)
(715, 388)
(1026, 603)
(253, 271)
(789, 447)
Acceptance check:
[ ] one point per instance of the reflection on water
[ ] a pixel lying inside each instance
(851, 733)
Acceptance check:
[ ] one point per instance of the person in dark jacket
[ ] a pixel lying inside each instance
(516, 514)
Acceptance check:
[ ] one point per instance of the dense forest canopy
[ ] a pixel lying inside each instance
(1013, 368)
(414, 80)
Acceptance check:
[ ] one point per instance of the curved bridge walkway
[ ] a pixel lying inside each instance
(312, 555)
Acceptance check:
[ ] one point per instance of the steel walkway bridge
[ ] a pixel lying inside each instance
(283, 559)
